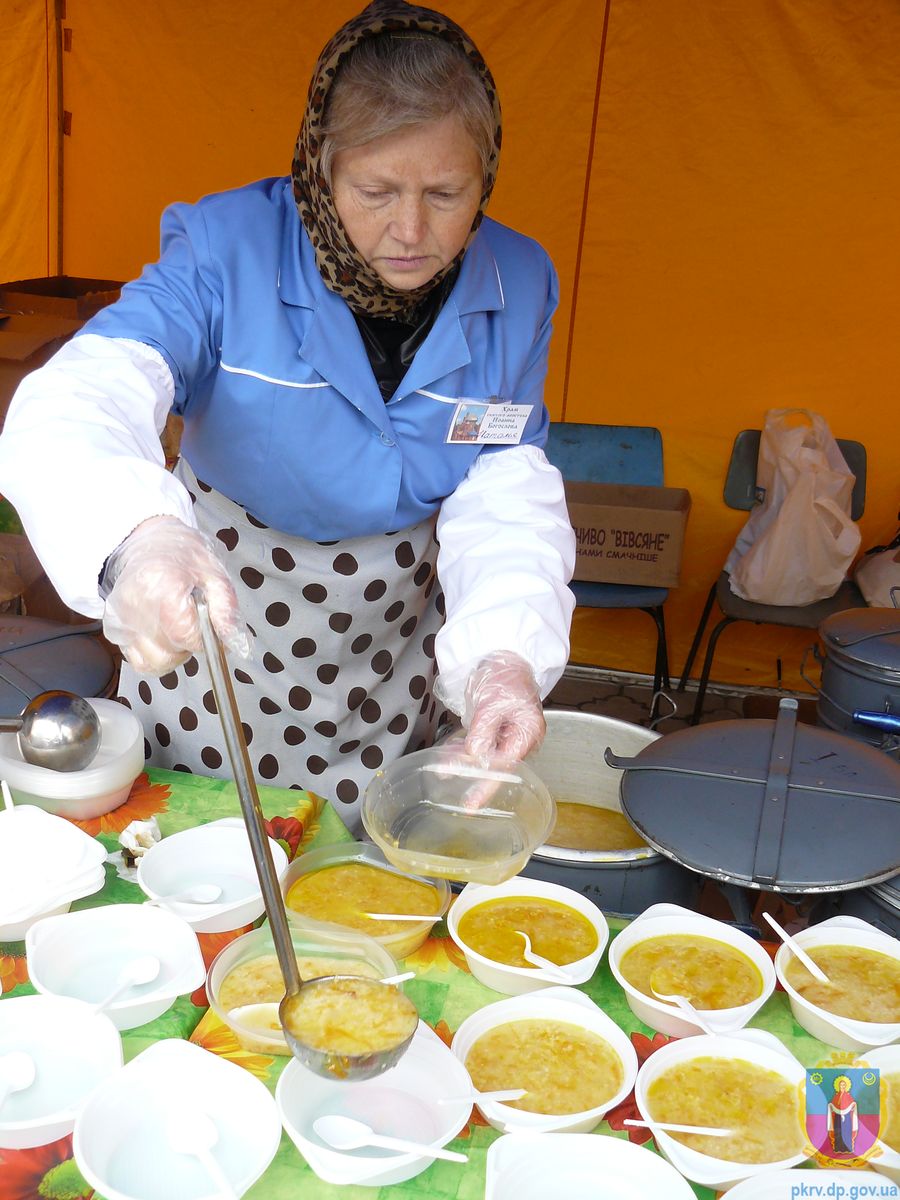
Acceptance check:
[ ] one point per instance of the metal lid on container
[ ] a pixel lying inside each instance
(867, 635)
(774, 805)
(37, 655)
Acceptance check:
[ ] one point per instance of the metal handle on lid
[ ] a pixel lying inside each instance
(247, 793)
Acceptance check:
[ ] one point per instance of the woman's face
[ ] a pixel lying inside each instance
(407, 200)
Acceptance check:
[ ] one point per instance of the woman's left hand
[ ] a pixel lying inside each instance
(503, 713)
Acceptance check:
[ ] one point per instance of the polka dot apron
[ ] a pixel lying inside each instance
(342, 670)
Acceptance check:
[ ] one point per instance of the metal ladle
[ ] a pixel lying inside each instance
(56, 729)
(322, 1062)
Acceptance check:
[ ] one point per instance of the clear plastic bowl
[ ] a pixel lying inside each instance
(400, 941)
(258, 1028)
(97, 789)
(439, 812)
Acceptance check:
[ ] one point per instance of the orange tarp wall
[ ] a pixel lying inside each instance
(717, 183)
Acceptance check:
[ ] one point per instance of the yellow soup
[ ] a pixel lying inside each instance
(343, 893)
(563, 1068)
(586, 827)
(257, 987)
(557, 931)
(350, 1017)
(863, 984)
(709, 973)
(890, 1110)
(761, 1107)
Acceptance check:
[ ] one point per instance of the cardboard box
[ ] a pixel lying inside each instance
(27, 342)
(628, 534)
(58, 295)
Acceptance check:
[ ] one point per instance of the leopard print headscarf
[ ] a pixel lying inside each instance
(341, 266)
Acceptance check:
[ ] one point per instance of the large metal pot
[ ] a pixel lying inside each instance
(571, 763)
(861, 671)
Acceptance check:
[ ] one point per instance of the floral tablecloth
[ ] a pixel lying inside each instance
(444, 992)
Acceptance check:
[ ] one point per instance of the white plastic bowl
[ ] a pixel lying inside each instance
(531, 1166)
(887, 1060)
(218, 852)
(513, 981)
(403, 1102)
(73, 1050)
(841, 1032)
(788, 1185)
(661, 920)
(102, 786)
(334, 947)
(81, 954)
(552, 1004)
(748, 1045)
(121, 1141)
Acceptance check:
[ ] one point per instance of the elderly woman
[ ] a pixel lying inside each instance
(358, 357)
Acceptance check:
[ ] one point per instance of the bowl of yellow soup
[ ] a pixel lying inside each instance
(338, 885)
(860, 1006)
(245, 985)
(887, 1061)
(566, 929)
(721, 971)
(572, 1060)
(747, 1083)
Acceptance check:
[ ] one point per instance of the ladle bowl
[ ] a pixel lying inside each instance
(57, 730)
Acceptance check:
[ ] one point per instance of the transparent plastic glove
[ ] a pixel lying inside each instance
(150, 612)
(503, 713)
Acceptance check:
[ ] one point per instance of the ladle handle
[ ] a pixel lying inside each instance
(11, 724)
(236, 746)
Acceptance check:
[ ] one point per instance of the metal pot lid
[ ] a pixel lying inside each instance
(868, 635)
(37, 655)
(774, 805)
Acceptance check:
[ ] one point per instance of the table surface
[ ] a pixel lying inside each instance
(444, 992)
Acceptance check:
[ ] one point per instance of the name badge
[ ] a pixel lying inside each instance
(497, 424)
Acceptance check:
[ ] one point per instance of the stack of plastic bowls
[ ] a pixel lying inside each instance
(45, 864)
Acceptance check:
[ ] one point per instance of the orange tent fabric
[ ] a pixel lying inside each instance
(715, 182)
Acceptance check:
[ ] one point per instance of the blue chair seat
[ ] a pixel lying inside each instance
(617, 595)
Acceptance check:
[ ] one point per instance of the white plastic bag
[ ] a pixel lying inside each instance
(798, 545)
(877, 575)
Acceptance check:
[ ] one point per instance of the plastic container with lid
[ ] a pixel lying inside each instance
(440, 812)
(399, 938)
(256, 1023)
(99, 787)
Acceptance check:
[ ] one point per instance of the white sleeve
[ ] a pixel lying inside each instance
(506, 555)
(81, 460)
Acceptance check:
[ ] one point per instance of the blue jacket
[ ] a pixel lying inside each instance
(282, 412)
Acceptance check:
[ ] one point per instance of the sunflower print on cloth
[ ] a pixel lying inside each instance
(342, 268)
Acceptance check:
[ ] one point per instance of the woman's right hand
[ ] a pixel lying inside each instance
(150, 611)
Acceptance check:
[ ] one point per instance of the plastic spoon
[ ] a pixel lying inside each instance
(195, 1133)
(7, 795)
(705, 1130)
(682, 1002)
(345, 1133)
(798, 951)
(139, 971)
(432, 917)
(538, 960)
(17, 1072)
